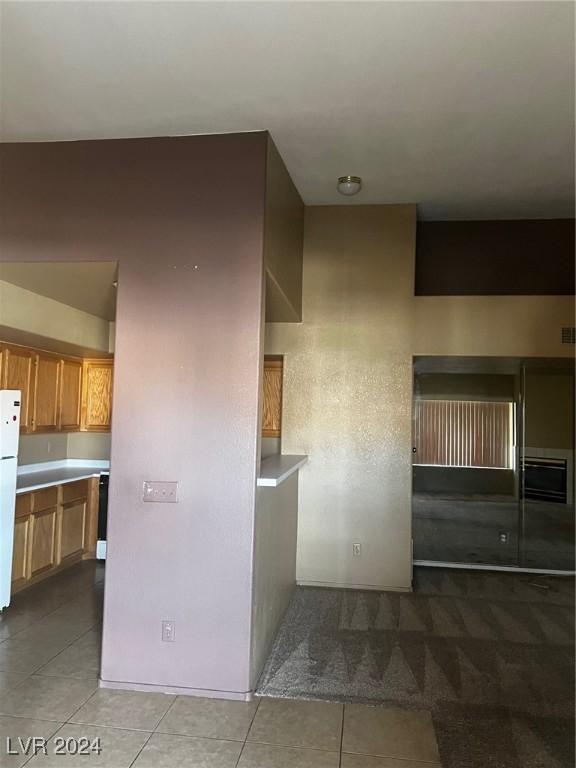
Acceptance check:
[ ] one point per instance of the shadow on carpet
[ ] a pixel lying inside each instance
(490, 655)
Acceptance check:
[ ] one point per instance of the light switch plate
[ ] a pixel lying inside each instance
(161, 492)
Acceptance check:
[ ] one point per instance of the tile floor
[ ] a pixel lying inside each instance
(49, 658)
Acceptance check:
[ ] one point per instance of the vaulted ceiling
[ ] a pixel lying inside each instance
(465, 108)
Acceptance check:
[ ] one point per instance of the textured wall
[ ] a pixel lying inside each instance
(187, 379)
(348, 382)
(348, 393)
(275, 529)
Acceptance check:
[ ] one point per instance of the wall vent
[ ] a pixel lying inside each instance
(568, 335)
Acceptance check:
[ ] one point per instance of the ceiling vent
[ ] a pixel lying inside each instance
(568, 335)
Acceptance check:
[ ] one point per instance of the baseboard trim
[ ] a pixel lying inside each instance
(504, 568)
(340, 585)
(176, 690)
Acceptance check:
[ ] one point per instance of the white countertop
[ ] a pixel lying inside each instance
(33, 477)
(276, 468)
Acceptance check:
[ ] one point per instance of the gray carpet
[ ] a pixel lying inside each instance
(490, 655)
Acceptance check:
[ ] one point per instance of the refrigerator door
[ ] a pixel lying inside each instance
(9, 422)
(7, 508)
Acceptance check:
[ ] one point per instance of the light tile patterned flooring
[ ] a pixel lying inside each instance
(49, 661)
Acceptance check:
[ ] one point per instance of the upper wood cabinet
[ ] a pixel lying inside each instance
(58, 393)
(46, 394)
(17, 372)
(70, 395)
(272, 400)
(97, 395)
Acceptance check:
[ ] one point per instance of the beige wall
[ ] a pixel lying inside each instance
(275, 525)
(549, 411)
(88, 445)
(34, 449)
(348, 393)
(515, 326)
(283, 235)
(348, 383)
(30, 313)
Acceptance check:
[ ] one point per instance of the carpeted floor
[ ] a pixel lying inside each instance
(490, 655)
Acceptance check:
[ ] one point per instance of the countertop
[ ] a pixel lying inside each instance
(33, 477)
(276, 468)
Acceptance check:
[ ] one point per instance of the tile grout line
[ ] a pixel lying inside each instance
(50, 612)
(51, 736)
(153, 732)
(248, 732)
(341, 735)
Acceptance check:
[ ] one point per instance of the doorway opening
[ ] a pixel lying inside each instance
(57, 333)
(493, 463)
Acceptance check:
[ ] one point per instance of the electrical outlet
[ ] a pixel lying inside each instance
(503, 536)
(357, 550)
(160, 492)
(168, 631)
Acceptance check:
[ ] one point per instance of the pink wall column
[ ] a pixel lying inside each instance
(184, 218)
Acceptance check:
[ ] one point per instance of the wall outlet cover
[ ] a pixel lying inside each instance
(168, 631)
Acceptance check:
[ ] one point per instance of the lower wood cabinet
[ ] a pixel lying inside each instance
(53, 528)
(20, 554)
(43, 541)
(73, 529)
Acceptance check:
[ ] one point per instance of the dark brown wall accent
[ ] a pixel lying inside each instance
(495, 258)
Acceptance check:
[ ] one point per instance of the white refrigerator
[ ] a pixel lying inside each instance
(9, 434)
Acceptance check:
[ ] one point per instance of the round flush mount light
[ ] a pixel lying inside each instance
(349, 185)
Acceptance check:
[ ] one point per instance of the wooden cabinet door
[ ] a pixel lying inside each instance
(272, 400)
(46, 394)
(21, 549)
(70, 394)
(97, 395)
(18, 373)
(43, 541)
(73, 529)
(20, 552)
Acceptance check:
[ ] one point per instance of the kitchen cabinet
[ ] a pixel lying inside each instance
(17, 371)
(73, 519)
(59, 393)
(70, 395)
(43, 541)
(54, 528)
(96, 395)
(46, 394)
(272, 398)
(21, 546)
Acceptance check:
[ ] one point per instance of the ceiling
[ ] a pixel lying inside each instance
(84, 285)
(465, 108)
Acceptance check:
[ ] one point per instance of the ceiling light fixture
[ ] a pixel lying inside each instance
(349, 185)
